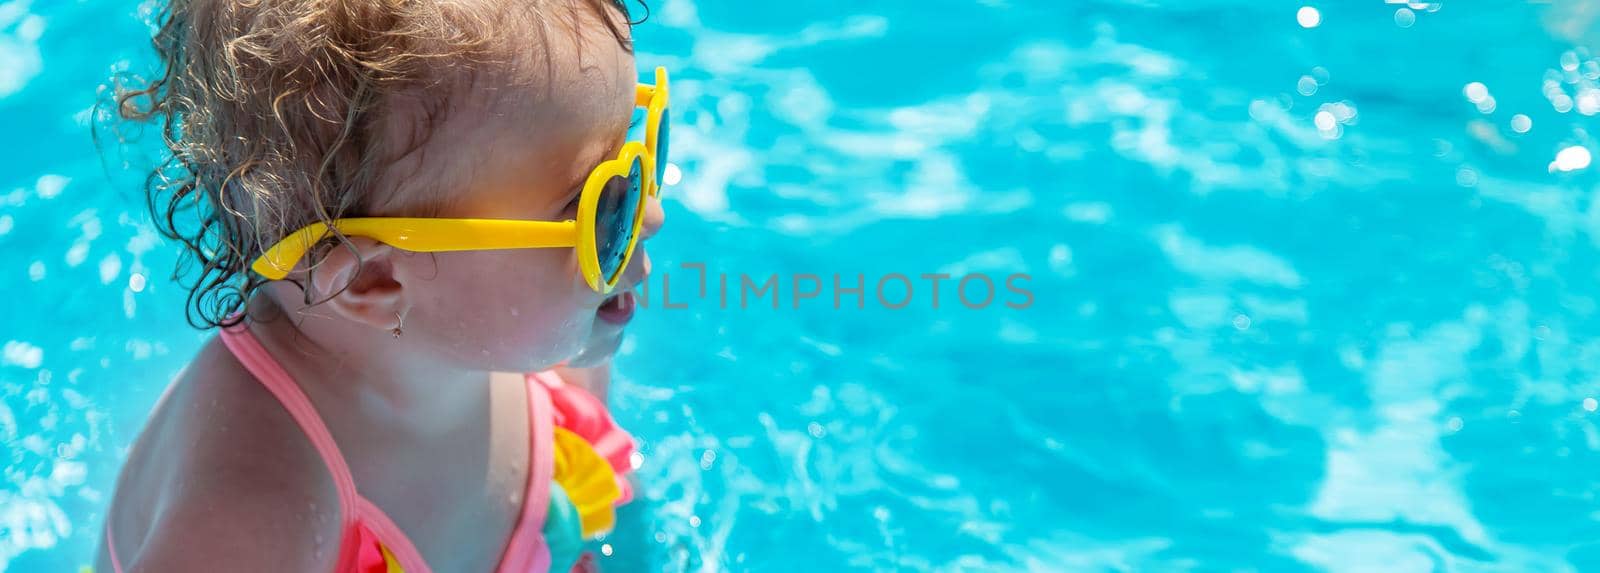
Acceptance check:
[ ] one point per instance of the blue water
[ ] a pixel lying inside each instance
(1304, 299)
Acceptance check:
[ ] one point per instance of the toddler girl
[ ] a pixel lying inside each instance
(390, 207)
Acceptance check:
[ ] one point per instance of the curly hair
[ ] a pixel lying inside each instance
(279, 113)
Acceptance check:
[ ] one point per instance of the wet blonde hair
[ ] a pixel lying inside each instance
(280, 113)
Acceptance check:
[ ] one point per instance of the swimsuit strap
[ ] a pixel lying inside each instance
(527, 549)
(358, 516)
(255, 358)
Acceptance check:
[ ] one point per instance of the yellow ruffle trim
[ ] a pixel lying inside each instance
(588, 480)
(392, 564)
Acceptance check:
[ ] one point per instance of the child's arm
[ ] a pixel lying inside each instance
(221, 479)
(222, 530)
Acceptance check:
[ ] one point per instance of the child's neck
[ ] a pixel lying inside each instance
(352, 370)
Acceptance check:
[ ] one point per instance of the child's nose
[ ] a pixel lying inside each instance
(653, 217)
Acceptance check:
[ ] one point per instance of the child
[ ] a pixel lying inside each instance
(392, 204)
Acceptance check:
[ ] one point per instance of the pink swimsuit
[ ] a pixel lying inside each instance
(372, 543)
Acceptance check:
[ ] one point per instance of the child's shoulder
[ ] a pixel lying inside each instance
(221, 458)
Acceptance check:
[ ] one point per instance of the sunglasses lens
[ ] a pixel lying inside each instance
(614, 218)
(662, 138)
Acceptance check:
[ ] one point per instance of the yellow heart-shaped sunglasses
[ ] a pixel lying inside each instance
(610, 212)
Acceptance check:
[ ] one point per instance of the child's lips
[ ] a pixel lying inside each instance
(618, 309)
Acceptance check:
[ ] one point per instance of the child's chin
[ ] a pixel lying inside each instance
(600, 348)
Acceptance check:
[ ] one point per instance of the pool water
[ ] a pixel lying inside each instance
(1312, 287)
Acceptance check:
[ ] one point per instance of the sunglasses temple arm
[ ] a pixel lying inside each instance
(421, 235)
(281, 258)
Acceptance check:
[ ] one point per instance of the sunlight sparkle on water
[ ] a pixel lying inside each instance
(672, 175)
(1476, 92)
(1307, 86)
(1308, 17)
(1325, 120)
(1405, 18)
(1571, 159)
(1521, 123)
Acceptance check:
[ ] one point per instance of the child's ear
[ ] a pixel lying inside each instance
(358, 281)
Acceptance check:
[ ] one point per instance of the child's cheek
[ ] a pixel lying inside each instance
(520, 309)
